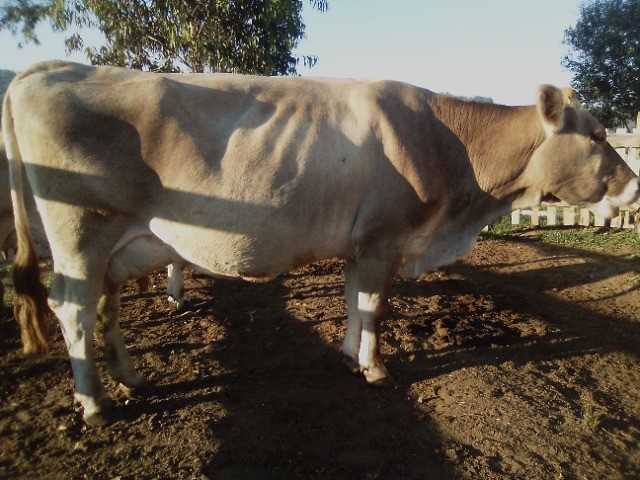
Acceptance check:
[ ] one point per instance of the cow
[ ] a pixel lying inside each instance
(249, 177)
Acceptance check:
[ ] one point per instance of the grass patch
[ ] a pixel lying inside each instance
(502, 229)
(6, 271)
(8, 298)
(593, 239)
(590, 418)
(589, 237)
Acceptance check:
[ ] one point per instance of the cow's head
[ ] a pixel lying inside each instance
(575, 164)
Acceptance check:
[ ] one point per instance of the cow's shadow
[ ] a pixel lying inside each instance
(577, 327)
(293, 411)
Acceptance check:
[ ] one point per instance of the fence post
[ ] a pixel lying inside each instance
(569, 216)
(616, 222)
(552, 214)
(585, 218)
(535, 216)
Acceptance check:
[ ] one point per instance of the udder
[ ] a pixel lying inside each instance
(137, 257)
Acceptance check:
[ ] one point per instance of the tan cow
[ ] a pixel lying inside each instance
(250, 177)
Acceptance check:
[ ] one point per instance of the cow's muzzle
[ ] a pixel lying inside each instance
(609, 206)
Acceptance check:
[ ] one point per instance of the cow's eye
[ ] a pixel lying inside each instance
(598, 137)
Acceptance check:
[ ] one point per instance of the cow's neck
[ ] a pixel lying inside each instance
(499, 140)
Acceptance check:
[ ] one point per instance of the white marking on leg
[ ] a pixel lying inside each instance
(351, 344)
(175, 284)
(78, 326)
(369, 307)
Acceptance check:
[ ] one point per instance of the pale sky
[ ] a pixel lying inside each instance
(501, 49)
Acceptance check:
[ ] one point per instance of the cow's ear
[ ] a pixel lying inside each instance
(571, 98)
(551, 104)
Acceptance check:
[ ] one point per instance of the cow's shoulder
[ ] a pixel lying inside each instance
(391, 96)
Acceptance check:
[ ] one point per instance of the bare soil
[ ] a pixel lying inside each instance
(522, 362)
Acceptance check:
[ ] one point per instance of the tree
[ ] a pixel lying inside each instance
(605, 59)
(5, 79)
(239, 36)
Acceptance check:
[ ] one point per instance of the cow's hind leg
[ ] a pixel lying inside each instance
(367, 286)
(109, 337)
(74, 302)
(175, 288)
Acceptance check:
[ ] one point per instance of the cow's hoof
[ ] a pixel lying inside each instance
(141, 390)
(378, 377)
(185, 306)
(352, 365)
(107, 414)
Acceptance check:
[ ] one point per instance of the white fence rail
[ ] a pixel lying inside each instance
(568, 215)
(628, 146)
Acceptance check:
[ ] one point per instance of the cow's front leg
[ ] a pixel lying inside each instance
(109, 337)
(371, 308)
(351, 345)
(78, 316)
(366, 289)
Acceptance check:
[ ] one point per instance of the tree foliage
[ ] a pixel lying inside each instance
(605, 59)
(240, 36)
(5, 79)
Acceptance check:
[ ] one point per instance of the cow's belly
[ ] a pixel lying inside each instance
(261, 254)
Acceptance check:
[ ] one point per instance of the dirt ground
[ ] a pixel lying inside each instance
(522, 362)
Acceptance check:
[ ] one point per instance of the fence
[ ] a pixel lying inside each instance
(570, 215)
(628, 147)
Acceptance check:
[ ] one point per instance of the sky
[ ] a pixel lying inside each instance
(502, 49)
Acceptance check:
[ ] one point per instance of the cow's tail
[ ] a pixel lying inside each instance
(30, 298)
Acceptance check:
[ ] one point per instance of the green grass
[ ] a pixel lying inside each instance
(6, 272)
(590, 419)
(8, 298)
(590, 237)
